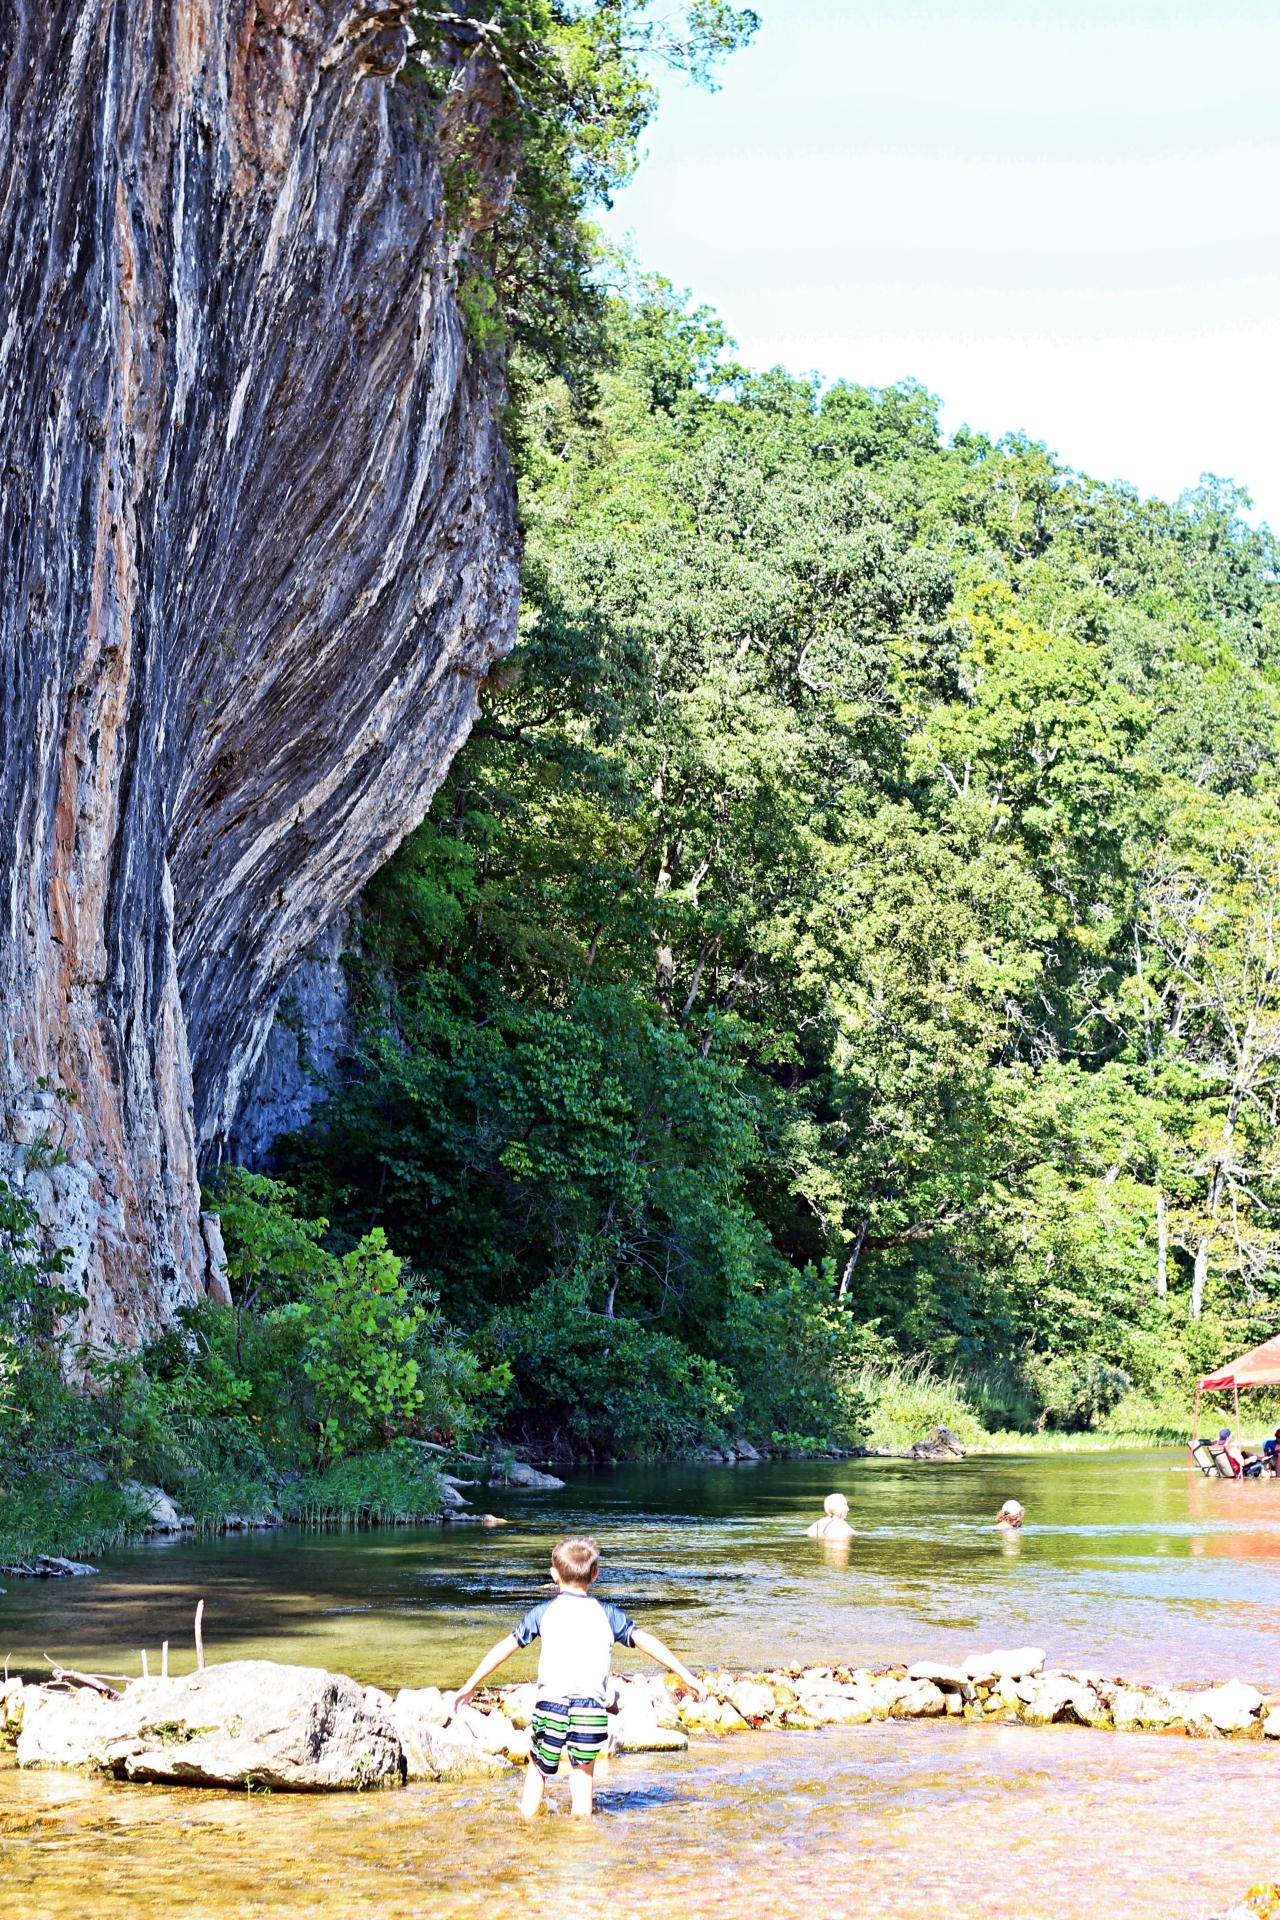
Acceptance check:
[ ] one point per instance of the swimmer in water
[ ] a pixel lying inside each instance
(833, 1525)
(1010, 1516)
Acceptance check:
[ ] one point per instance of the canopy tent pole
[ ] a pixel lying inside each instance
(1235, 1388)
(1195, 1418)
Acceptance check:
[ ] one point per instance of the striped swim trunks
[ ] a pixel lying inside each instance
(580, 1726)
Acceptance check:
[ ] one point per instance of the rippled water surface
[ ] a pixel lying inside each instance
(1125, 1564)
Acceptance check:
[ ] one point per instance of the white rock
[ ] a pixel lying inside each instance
(288, 1728)
(654, 1739)
(946, 1677)
(836, 1709)
(745, 1450)
(1016, 1663)
(923, 1701)
(1232, 1708)
(1271, 1725)
(753, 1700)
(518, 1704)
(1129, 1709)
(450, 1497)
(635, 1727)
(162, 1515)
(434, 1750)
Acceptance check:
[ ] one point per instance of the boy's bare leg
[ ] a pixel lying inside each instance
(532, 1790)
(582, 1790)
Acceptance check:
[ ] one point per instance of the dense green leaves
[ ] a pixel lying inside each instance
(846, 931)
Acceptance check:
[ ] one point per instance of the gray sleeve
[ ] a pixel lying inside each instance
(624, 1630)
(531, 1626)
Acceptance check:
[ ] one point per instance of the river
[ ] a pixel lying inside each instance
(1126, 1564)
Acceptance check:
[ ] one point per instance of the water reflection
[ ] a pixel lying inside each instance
(1124, 1565)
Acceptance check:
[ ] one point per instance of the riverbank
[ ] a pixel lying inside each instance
(83, 1512)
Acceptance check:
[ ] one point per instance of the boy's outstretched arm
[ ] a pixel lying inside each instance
(494, 1658)
(649, 1643)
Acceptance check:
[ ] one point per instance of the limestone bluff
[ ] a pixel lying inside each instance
(257, 548)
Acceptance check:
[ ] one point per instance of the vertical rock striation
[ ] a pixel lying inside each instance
(257, 547)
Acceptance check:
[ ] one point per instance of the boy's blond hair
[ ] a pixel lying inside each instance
(577, 1561)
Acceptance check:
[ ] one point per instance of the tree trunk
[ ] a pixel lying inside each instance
(1162, 1245)
(257, 546)
(1199, 1276)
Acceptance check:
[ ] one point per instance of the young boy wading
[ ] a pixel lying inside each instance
(573, 1673)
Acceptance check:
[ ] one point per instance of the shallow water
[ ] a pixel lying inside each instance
(1125, 1564)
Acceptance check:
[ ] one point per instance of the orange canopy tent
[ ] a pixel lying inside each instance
(1260, 1367)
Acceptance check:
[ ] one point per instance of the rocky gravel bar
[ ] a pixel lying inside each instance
(256, 1723)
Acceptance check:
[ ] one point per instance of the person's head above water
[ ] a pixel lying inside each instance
(1010, 1514)
(833, 1525)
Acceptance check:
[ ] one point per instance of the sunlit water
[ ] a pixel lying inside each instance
(1126, 1564)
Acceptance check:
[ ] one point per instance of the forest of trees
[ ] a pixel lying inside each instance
(850, 931)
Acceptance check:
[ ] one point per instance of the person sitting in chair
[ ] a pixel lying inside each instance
(1227, 1448)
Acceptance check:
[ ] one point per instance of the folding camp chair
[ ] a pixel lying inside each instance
(1202, 1458)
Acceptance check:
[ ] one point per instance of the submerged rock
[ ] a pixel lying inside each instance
(245, 1723)
(49, 1566)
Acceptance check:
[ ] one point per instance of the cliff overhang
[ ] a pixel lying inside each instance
(257, 549)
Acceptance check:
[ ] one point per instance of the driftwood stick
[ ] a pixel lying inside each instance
(78, 1679)
(199, 1636)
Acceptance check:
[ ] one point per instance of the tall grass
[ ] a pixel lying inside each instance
(905, 1399)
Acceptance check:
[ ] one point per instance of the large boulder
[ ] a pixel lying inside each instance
(939, 1444)
(162, 1514)
(519, 1475)
(244, 1723)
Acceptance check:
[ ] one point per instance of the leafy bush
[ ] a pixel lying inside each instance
(905, 1400)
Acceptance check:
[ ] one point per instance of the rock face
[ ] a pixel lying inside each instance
(257, 549)
(304, 1047)
(294, 1729)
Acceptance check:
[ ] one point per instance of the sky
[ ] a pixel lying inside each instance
(1063, 219)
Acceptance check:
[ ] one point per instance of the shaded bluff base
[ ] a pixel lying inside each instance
(300, 1729)
(257, 550)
